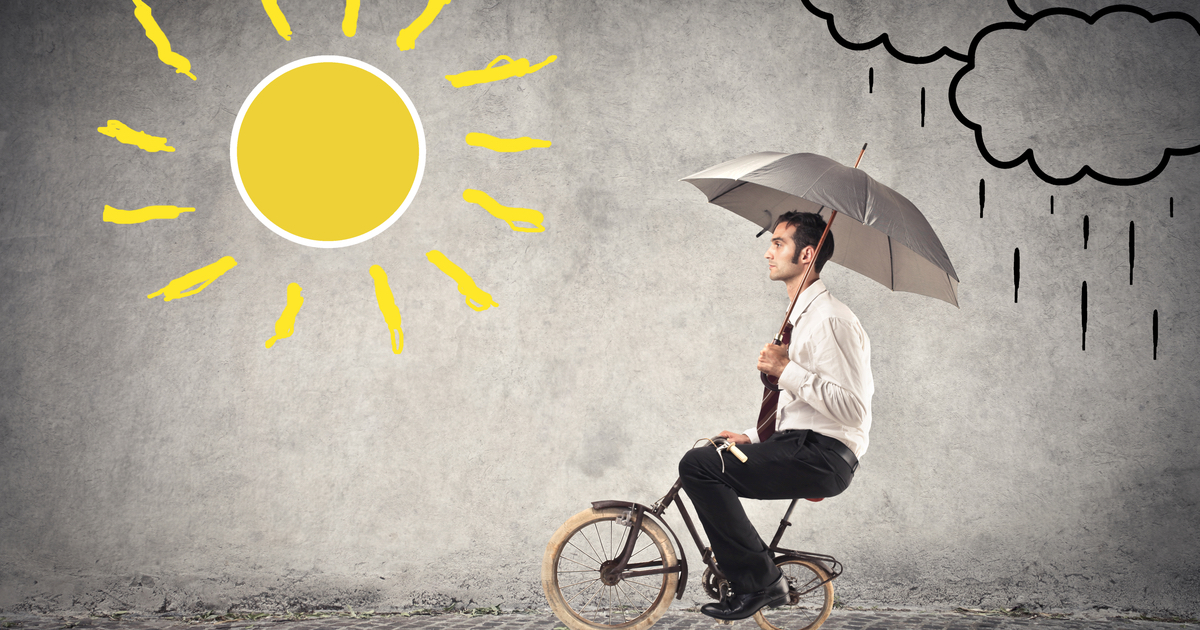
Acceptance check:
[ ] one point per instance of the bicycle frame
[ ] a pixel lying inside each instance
(621, 568)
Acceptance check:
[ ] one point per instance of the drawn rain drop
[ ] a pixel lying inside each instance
(1016, 273)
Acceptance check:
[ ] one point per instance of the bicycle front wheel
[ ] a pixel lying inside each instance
(810, 598)
(583, 597)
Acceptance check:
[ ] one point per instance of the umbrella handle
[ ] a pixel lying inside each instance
(768, 381)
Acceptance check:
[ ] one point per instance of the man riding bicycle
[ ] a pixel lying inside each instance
(820, 424)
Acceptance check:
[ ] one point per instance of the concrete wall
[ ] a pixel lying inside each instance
(156, 456)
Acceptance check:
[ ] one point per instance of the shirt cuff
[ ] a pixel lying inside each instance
(751, 433)
(794, 377)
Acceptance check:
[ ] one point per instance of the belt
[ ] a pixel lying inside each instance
(832, 444)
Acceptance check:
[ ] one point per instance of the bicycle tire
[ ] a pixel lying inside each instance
(803, 611)
(571, 573)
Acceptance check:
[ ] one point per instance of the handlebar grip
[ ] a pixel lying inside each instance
(737, 452)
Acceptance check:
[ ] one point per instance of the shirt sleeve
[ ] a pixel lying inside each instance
(833, 383)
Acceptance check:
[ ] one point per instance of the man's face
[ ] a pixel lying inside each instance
(781, 252)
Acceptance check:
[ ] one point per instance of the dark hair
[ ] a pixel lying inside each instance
(809, 227)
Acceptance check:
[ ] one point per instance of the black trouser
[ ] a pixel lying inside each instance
(790, 465)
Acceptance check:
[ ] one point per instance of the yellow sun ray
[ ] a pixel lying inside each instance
(350, 22)
(407, 39)
(477, 299)
(278, 19)
(493, 72)
(286, 324)
(195, 281)
(156, 35)
(387, 306)
(505, 145)
(141, 215)
(511, 216)
(140, 139)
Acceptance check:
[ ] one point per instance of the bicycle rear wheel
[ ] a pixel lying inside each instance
(579, 594)
(809, 601)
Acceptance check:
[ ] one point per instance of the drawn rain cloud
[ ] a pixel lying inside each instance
(1113, 99)
(914, 31)
(1111, 93)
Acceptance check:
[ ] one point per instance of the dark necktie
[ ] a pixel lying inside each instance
(770, 402)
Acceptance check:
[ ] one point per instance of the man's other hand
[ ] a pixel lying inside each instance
(772, 359)
(736, 438)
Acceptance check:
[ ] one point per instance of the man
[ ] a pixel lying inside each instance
(824, 414)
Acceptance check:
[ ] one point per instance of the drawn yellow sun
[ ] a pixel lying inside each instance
(328, 152)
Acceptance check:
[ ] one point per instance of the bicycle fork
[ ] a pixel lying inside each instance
(620, 568)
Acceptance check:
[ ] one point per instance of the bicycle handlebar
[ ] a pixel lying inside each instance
(723, 444)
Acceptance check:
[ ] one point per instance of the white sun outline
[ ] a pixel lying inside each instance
(412, 110)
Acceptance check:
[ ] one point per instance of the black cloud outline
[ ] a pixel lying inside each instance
(1027, 155)
(944, 51)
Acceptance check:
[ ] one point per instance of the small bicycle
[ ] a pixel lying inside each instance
(613, 566)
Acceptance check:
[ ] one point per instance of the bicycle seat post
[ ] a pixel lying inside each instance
(783, 524)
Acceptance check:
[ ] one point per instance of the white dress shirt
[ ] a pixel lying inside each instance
(827, 385)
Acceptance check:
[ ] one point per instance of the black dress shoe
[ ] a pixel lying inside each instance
(743, 606)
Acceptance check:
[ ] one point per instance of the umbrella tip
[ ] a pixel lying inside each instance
(860, 154)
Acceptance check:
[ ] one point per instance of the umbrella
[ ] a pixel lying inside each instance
(889, 240)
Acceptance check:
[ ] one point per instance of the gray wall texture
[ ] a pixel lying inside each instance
(155, 456)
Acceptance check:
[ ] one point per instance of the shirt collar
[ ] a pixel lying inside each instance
(807, 297)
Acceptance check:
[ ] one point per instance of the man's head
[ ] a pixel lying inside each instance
(793, 249)
(807, 228)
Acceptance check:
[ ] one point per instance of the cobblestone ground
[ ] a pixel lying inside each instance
(839, 620)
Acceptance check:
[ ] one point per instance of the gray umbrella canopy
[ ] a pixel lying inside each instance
(888, 239)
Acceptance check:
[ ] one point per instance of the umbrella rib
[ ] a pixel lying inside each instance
(891, 262)
(740, 183)
(815, 180)
(951, 292)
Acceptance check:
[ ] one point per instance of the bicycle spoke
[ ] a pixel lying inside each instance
(581, 592)
(589, 556)
(620, 606)
(593, 597)
(599, 539)
(651, 587)
(587, 586)
(579, 582)
(590, 568)
(648, 545)
(631, 596)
